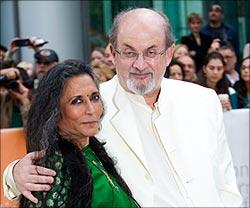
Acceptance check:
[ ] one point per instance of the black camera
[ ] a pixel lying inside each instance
(13, 84)
(23, 42)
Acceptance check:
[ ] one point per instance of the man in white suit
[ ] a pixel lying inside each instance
(167, 136)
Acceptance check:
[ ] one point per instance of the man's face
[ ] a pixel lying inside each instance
(189, 67)
(137, 40)
(229, 58)
(42, 68)
(215, 14)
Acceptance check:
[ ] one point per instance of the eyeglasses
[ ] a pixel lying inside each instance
(148, 55)
(228, 57)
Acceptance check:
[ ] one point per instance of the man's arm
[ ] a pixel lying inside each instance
(9, 187)
(22, 177)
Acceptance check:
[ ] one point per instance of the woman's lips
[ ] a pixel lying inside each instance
(89, 122)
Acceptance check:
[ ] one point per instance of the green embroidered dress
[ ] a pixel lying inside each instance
(106, 191)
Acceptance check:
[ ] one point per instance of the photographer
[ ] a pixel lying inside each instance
(45, 59)
(14, 97)
(15, 44)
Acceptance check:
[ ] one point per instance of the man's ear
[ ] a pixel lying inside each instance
(169, 54)
(112, 50)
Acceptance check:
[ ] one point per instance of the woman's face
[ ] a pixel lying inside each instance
(81, 108)
(245, 70)
(175, 72)
(181, 51)
(214, 70)
(97, 56)
(195, 25)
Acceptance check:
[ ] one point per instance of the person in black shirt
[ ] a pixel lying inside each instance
(197, 42)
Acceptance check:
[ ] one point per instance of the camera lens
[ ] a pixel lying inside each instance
(12, 85)
(9, 84)
(3, 80)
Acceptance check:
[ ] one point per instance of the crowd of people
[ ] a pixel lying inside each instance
(163, 160)
(192, 59)
(19, 80)
(188, 64)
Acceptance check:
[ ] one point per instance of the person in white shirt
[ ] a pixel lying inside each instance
(167, 136)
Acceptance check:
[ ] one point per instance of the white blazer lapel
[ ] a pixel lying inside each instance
(125, 125)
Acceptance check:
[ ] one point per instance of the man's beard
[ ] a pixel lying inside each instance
(143, 88)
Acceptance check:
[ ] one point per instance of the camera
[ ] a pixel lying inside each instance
(13, 84)
(26, 42)
(22, 42)
(9, 84)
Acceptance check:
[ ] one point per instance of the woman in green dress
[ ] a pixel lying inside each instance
(64, 117)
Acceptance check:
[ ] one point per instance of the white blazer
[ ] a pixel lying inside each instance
(191, 128)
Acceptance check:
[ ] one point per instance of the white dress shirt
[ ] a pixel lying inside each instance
(168, 188)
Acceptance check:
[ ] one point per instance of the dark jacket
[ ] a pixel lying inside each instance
(226, 33)
(200, 50)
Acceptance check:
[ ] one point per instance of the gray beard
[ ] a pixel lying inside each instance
(141, 90)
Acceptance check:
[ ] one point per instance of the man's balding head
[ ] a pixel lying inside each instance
(141, 16)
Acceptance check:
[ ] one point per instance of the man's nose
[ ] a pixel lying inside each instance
(109, 58)
(186, 68)
(139, 63)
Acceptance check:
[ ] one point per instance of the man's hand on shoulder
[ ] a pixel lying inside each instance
(29, 177)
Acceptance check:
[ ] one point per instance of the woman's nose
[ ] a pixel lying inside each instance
(90, 109)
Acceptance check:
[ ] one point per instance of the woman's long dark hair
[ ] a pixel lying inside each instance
(222, 86)
(42, 134)
(241, 87)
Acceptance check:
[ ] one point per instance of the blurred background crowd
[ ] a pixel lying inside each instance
(211, 53)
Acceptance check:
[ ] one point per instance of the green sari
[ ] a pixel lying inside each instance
(106, 191)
